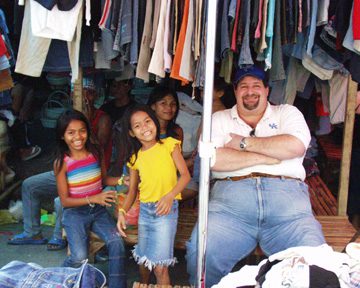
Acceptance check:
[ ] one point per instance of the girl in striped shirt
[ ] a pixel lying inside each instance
(80, 171)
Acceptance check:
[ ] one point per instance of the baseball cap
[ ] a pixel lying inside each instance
(248, 71)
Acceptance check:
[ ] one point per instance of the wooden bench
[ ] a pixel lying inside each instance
(331, 150)
(322, 200)
(330, 153)
(337, 230)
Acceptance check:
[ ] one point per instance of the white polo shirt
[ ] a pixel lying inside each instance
(277, 120)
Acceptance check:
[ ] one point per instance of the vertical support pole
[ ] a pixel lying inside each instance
(346, 148)
(206, 138)
(78, 101)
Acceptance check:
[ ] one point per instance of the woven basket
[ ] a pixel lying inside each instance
(56, 104)
(50, 112)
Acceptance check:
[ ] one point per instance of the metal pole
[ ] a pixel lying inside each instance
(206, 137)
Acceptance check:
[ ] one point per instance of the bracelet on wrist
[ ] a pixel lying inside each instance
(122, 210)
(92, 205)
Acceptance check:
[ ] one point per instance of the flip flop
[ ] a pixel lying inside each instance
(56, 244)
(24, 239)
(35, 151)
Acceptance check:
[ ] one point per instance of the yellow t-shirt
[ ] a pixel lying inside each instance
(157, 170)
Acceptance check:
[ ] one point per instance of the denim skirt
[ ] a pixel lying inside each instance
(156, 235)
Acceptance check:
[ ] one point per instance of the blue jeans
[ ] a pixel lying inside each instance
(156, 236)
(274, 213)
(78, 221)
(33, 190)
(31, 275)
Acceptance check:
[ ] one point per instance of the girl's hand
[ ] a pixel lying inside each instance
(121, 224)
(163, 207)
(105, 198)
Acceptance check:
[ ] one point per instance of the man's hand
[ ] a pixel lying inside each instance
(234, 143)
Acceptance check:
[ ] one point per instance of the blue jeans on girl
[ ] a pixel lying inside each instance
(156, 236)
(78, 221)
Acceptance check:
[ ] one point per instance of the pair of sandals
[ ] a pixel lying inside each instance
(54, 244)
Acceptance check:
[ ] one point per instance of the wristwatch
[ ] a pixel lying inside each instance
(243, 144)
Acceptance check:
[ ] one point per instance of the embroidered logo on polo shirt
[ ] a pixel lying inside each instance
(273, 126)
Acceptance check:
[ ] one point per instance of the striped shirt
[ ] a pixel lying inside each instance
(83, 176)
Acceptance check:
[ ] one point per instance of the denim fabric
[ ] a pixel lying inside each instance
(124, 34)
(324, 60)
(312, 30)
(296, 50)
(156, 236)
(224, 36)
(31, 275)
(274, 213)
(4, 63)
(315, 69)
(134, 46)
(277, 71)
(33, 190)
(58, 225)
(232, 9)
(245, 54)
(57, 59)
(107, 40)
(78, 221)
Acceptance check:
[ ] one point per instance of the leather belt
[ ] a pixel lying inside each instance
(257, 174)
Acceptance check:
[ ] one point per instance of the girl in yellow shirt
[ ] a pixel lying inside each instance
(153, 164)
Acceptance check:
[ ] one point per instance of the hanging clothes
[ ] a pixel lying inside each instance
(156, 65)
(31, 63)
(145, 52)
(175, 70)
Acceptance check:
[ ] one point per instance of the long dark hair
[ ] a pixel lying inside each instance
(157, 94)
(131, 145)
(62, 148)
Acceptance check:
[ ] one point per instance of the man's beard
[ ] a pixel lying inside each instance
(253, 105)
